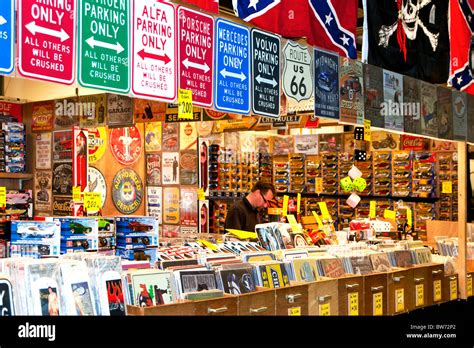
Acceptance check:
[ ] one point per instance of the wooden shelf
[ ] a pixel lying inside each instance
(20, 176)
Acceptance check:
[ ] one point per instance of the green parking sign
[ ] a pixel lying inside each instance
(104, 41)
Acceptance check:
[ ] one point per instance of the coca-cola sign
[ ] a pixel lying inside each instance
(411, 142)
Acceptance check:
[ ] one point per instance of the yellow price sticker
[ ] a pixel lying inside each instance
(298, 203)
(3, 196)
(325, 309)
(399, 300)
(446, 187)
(318, 220)
(209, 245)
(409, 217)
(185, 104)
(92, 201)
(420, 295)
(284, 210)
(76, 194)
(437, 290)
(353, 300)
(390, 214)
(367, 132)
(373, 210)
(319, 187)
(453, 289)
(242, 234)
(201, 195)
(377, 299)
(295, 227)
(469, 285)
(324, 211)
(294, 311)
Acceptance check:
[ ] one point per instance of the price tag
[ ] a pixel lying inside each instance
(284, 210)
(453, 289)
(469, 286)
(324, 211)
(390, 214)
(76, 194)
(353, 299)
(294, 311)
(437, 290)
(318, 220)
(185, 104)
(92, 201)
(325, 309)
(367, 132)
(3, 196)
(298, 203)
(319, 187)
(399, 300)
(201, 195)
(242, 234)
(295, 227)
(409, 217)
(420, 296)
(446, 187)
(207, 244)
(373, 210)
(377, 299)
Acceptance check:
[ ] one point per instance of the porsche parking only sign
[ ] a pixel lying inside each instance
(298, 72)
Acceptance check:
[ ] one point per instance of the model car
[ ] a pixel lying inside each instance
(326, 81)
(139, 227)
(104, 225)
(79, 228)
(35, 231)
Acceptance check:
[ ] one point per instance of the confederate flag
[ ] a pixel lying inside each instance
(330, 24)
(461, 32)
(206, 5)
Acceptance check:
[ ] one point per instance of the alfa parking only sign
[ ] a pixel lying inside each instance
(232, 82)
(196, 50)
(104, 45)
(154, 50)
(265, 73)
(7, 15)
(46, 40)
(298, 72)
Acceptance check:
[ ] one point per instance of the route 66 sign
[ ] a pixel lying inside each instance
(298, 71)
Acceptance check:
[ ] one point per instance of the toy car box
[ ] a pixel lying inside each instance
(42, 237)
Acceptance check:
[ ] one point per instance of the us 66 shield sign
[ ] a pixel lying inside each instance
(298, 72)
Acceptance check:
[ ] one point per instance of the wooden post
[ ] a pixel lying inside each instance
(462, 216)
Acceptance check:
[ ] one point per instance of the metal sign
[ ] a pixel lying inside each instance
(154, 50)
(298, 73)
(232, 75)
(265, 73)
(46, 40)
(326, 85)
(196, 49)
(104, 45)
(7, 42)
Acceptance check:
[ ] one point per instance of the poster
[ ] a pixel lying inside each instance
(373, 83)
(170, 231)
(470, 117)
(393, 96)
(43, 150)
(204, 216)
(459, 115)
(43, 192)
(11, 110)
(62, 179)
(170, 168)
(385, 141)
(188, 206)
(93, 110)
(326, 86)
(212, 115)
(62, 146)
(307, 144)
(170, 137)
(429, 123)
(445, 113)
(62, 206)
(187, 136)
(351, 91)
(119, 110)
(330, 142)
(153, 169)
(411, 102)
(153, 136)
(148, 110)
(42, 115)
(66, 112)
(188, 171)
(154, 203)
(170, 205)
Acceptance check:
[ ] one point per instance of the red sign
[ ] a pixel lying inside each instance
(46, 40)
(43, 116)
(411, 142)
(196, 54)
(126, 144)
(11, 109)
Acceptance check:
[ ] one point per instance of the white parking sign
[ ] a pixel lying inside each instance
(298, 72)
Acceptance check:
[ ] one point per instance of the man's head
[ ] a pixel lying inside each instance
(261, 193)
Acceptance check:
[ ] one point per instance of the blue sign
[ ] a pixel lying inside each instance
(7, 15)
(232, 84)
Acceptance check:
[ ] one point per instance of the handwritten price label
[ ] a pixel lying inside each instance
(76, 194)
(185, 104)
(437, 290)
(378, 303)
(294, 311)
(400, 300)
(3, 196)
(453, 287)
(420, 295)
(325, 309)
(92, 201)
(353, 299)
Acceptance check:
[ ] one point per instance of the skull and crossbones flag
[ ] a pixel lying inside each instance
(329, 24)
(408, 36)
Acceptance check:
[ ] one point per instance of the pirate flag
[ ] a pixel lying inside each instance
(414, 43)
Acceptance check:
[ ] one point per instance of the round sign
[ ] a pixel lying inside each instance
(97, 143)
(127, 191)
(188, 161)
(126, 144)
(204, 128)
(97, 183)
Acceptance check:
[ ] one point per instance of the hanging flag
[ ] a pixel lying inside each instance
(408, 37)
(461, 29)
(206, 5)
(330, 24)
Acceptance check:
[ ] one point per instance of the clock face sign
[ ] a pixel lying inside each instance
(97, 183)
(126, 144)
(127, 191)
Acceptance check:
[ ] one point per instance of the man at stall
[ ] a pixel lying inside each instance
(243, 215)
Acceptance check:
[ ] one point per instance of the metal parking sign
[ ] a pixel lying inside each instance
(232, 80)
(7, 42)
(298, 73)
(265, 73)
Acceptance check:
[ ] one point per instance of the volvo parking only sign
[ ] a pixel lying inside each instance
(265, 73)
(232, 84)
(7, 15)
